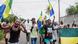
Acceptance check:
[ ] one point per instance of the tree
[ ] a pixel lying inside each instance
(72, 10)
(10, 19)
(76, 8)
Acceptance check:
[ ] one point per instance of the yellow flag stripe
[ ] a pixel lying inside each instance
(50, 5)
(7, 9)
(69, 40)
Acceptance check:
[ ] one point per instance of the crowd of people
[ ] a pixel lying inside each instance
(46, 34)
(73, 25)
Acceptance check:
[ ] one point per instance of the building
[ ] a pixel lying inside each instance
(69, 19)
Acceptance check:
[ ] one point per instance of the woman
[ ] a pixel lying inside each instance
(34, 32)
(15, 32)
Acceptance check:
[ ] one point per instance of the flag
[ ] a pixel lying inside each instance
(2, 8)
(50, 9)
(40, 21)
(8, 4)
(68, 35)
(51, 12)
(50, 5)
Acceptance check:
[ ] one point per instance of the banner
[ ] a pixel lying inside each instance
(68, 35)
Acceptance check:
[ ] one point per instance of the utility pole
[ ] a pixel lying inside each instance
(59, 42)
(59, 10)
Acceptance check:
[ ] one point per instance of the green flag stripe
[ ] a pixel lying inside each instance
(10, 3)
(68, 32)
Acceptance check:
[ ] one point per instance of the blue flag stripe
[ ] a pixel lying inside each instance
(2, 8)
(39, 24)
(51, 12)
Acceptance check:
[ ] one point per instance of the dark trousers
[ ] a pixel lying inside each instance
(6, 41)
(27, 36)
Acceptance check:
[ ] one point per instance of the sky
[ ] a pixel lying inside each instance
(32, 8)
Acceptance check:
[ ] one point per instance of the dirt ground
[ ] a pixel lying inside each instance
(2, 42)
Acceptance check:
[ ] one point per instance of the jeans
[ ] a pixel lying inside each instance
(33, 40)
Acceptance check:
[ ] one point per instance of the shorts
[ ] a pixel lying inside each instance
(47, 40)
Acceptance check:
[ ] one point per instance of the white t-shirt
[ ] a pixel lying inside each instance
(49, 30)
(62, 26)
(28, 27)
(34, 33)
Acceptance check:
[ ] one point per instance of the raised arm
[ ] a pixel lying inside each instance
(23, 28)
(5, 27)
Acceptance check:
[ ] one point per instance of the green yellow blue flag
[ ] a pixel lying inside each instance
(68, 35)
(50, 9)
(8, 4)
(2, 8)
(40, 21)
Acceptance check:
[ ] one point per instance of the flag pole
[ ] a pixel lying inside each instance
(59, 42)
(59, 10)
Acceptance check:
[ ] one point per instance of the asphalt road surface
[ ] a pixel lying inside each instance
(22, 39)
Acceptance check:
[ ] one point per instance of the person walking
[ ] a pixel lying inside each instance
(15, 32)
(48, 33)
(28, 27)
(5, 26)
(34, 32)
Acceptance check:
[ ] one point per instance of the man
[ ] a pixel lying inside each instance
(42, 32)
(15, 32)
(48, 34)
(28, 27)
(5, 26)
(56, 26)
(61, 24)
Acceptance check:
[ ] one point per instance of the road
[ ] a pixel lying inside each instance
(22, 39)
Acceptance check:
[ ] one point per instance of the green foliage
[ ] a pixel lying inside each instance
(10, 19)
(72, 10)
(77, 8)
(1, 34)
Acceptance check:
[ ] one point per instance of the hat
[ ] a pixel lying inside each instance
(32, 19)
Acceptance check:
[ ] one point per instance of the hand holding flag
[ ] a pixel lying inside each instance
(50, 10)
(40, 21)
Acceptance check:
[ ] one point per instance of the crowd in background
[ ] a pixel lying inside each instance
(46, 34)
(73, 25)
